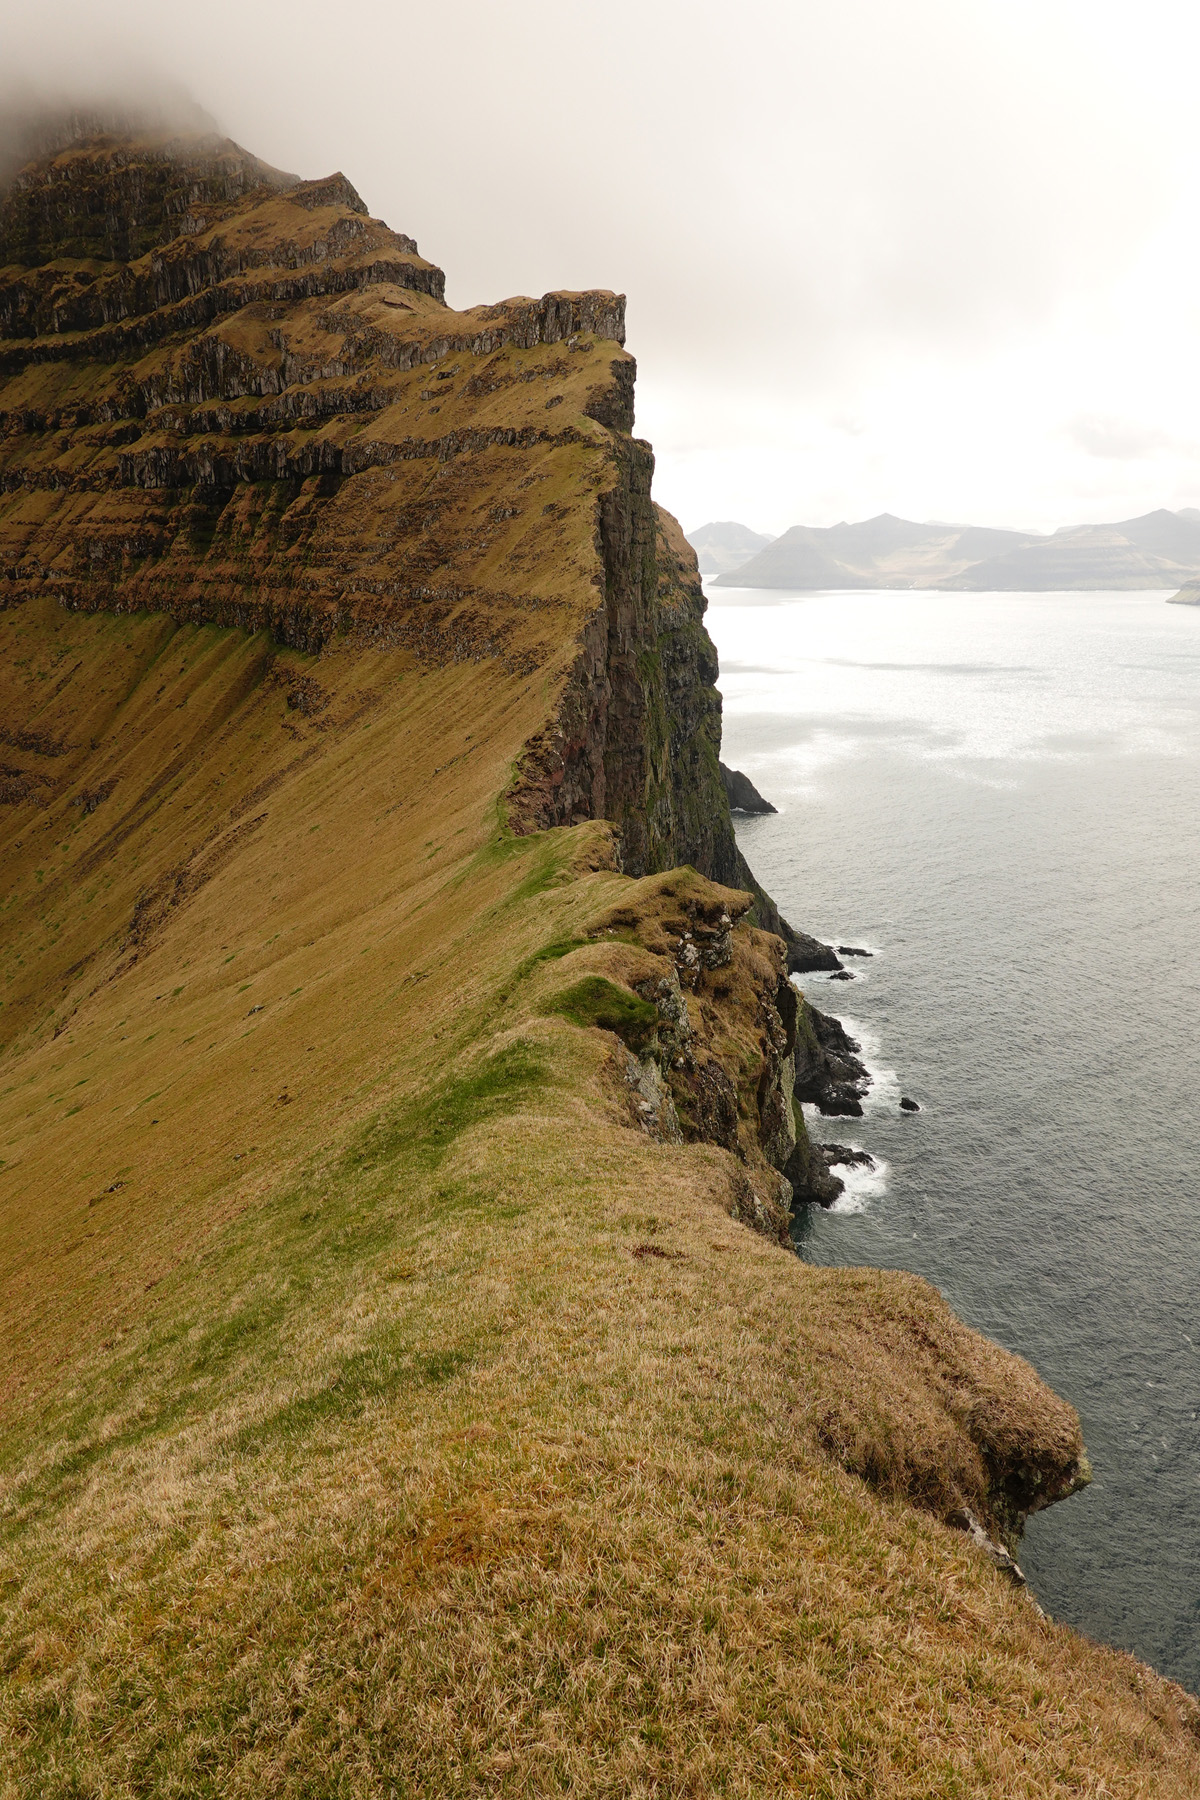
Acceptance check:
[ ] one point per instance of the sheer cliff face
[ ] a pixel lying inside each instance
(239, 399)
(637, 731)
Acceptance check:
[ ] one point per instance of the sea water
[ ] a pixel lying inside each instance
(999, 796)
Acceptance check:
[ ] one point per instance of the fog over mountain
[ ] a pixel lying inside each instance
(937, 258)
(1160, 549)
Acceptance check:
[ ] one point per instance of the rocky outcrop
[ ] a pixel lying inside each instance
(830, 1073)
(809, 1175)
(742, 794)
(816, 1181)
(736, 1048)
(719, 1065)
(102, 189)
(807, 955)
(638, 730)
(1188, 595)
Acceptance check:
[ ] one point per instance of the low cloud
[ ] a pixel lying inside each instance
(1120, 440)
(818, 212)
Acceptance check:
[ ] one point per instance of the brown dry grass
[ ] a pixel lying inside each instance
(349, 1446)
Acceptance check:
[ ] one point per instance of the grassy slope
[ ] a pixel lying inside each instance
(433, 1430)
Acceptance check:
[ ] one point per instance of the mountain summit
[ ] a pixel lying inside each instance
(724, 546)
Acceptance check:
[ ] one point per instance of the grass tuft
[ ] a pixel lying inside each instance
(594, 1001)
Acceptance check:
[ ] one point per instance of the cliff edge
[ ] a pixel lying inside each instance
(395, 1053)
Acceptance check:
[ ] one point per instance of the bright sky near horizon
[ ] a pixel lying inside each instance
(937, 259)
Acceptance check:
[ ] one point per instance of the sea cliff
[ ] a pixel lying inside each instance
(396, 1051)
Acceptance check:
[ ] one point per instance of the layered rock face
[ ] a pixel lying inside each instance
(237, 398)
(270, 417)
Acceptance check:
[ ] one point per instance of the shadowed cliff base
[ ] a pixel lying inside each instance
(394, 1392)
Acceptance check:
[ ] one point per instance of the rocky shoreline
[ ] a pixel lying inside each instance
(830, 1072)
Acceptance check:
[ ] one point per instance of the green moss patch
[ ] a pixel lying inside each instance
(427, 1126)
(595, 1001)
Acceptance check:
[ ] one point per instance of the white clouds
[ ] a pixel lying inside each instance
(1123, 440)
(924, 257)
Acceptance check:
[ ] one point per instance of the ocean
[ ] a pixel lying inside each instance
(999, 796)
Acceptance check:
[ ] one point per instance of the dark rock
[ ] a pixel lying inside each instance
(829, 1071)
(841, 975)
(17, 784)
(805, 955)
(707, 1103)
(636, 736)
(90, 798)
(809, 1174)
(846, 1155)
(907, 1105)
(810, 1170)
(742, 794)
(851, 950)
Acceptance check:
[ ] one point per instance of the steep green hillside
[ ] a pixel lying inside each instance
(405, 1387)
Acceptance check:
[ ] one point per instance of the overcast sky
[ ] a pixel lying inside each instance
(932, 257)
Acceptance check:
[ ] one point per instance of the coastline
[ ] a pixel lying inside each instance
(408, 1376)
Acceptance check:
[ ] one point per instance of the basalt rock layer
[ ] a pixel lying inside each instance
(236, 399)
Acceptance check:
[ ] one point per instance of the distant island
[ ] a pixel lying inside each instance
(724, 546)
(1159, 550)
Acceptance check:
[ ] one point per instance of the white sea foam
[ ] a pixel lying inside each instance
(862, 1185)
(830, 979)
(884, 1092)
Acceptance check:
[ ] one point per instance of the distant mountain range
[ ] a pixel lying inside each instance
(1160, 549)
(724, 546)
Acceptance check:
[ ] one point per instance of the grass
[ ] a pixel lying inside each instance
(359, 1444)
(583, 1545)
(596, 1001)
(425, 1126)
